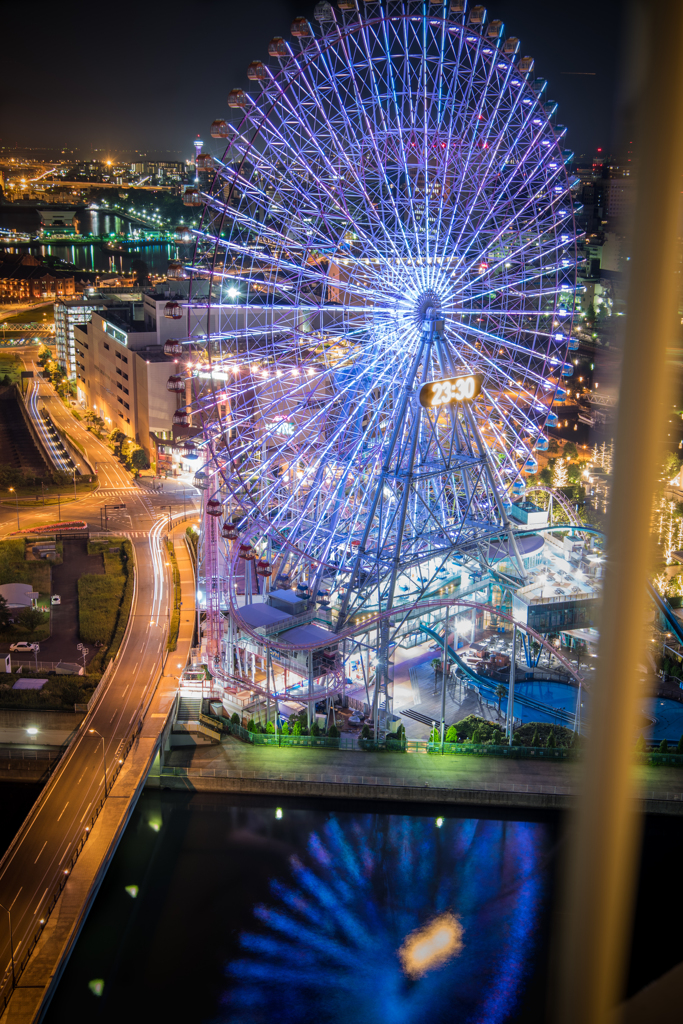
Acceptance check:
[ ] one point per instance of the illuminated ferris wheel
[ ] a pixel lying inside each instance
(382, 288)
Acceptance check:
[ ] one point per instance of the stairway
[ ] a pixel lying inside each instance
(189, 709)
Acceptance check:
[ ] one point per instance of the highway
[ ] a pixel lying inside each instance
(32, 867)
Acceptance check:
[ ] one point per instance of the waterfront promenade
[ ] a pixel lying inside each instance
(236, 767)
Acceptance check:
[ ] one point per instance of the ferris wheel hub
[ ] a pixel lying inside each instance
(428, 307)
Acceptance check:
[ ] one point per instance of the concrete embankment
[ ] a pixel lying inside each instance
(235, 767)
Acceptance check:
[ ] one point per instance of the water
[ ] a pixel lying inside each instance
(93, 257)
(241, 917)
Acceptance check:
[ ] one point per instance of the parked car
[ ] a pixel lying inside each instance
(56, 599)
(24, 645)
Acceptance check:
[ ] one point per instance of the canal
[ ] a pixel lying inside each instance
(228, 910)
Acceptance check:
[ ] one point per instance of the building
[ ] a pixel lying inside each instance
(69, 312)
(122, 372)
(24, 278)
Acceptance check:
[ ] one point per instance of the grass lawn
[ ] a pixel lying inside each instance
(45, 313)
(60, 693)
(32, 497)
(15, 569)
(12, 367)
(104, 600)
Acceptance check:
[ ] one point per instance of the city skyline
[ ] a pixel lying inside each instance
(170, 77)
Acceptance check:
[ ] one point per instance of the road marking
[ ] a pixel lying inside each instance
(87, 811)
(79, 781)
(132, 717)
(65, 807)
(39, 902)
(124, 692)
(136, 666)
(41, 850)
(113, 716)
(16, 897)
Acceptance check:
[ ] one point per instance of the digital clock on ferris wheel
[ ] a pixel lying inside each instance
(450, 391)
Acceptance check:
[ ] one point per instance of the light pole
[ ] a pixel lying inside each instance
(17, 501)
(104, 759)
(11, 945)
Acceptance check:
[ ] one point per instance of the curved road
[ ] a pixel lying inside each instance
(32, 866)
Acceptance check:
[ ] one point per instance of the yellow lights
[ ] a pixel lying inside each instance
(278, 813)
(439, 822)
(431, 946)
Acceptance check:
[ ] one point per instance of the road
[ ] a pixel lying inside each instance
(29, 871)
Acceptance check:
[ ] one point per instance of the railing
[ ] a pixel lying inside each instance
(52, 893)
(97, 692)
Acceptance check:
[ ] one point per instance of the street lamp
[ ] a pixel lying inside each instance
(11, 945)
(17, 500)
(104, 759)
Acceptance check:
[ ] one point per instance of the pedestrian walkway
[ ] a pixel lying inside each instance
(233, 766)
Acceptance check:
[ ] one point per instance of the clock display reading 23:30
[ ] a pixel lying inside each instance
(450, 391)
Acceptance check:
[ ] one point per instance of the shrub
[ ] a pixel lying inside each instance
(434, 736)
(270, 727)
(663, 747)
(333, 732)
(497, 737)
(235, 718)
(251, 725)
(31, 618)
(315, 729)
(365, 732)
(451, 735)
(679, 748)
(477, 736)
(285, 728)
(640, 745)
(551, 739)
(297, 729)
(535, 739)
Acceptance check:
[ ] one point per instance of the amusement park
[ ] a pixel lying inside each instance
(372, 327)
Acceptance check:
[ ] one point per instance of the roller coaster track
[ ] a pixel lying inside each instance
(492, 684)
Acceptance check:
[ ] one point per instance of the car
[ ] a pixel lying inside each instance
(23, 645)
(56, 599)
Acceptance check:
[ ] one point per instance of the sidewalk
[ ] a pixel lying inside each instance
(235, 767)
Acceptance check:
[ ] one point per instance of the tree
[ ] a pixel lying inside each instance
(285, 728)
(315, 728)
(333, 732)
(434, 736)
(476, 735)
(570, 450)
(560, 475)
(452, 734)
(235, 718)
(663, 747)
(270, 727)
(679, 748)
(31, 618)
(365, 732)
(497, 737)
(4, 613)
(251, 725)
(535, 739)
(138, 457)
(640, 745)
(551, 739)
(501, 692)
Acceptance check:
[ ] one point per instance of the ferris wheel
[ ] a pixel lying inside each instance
(382, 292)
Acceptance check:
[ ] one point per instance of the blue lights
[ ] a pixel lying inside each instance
(330, 943)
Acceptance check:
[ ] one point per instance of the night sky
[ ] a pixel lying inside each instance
(150, 76)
